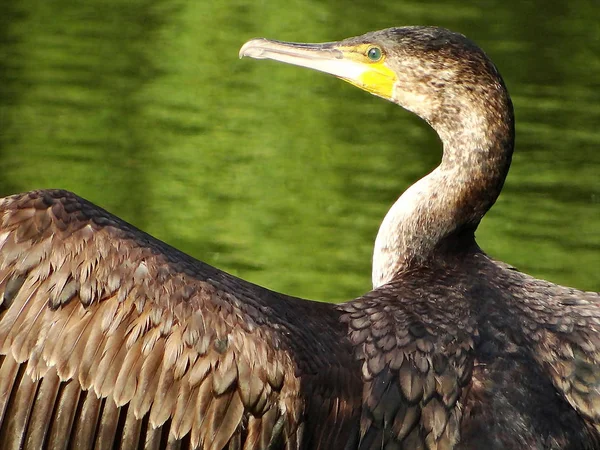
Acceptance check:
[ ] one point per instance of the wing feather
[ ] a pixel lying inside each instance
(153, 437)
(108, 423)
(64, 415)
(86, 428)
(125, 384)
(416, 356)
(22, 400)
(114, 338)
(131, 431)
(8, 376)
(44, 405)
(562, 326)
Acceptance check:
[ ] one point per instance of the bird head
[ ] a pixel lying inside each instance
(431, 71)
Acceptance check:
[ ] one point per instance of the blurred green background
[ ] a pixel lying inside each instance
(278, 174)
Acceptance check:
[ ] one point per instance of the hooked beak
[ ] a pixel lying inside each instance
(348, 62)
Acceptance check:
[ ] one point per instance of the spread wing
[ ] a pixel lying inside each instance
(563, 329)
(112, 339)
(417, 355)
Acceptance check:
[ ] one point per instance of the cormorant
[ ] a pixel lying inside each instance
(110, 338)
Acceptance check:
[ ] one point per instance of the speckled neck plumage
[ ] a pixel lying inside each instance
(474, 119)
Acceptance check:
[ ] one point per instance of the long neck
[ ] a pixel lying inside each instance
(454, 197)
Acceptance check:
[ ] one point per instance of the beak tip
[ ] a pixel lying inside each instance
(252, 49)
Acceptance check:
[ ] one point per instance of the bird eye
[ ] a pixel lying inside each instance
(374, 54)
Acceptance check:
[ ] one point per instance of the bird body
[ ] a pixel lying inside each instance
(490, 361)
(110, 338)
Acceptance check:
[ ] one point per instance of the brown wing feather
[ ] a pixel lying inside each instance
(117, 339)
(417, 359)
(562, 326)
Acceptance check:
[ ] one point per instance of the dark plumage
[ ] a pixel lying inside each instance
(110, 338)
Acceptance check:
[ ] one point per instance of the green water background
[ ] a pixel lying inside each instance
(277, 174)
